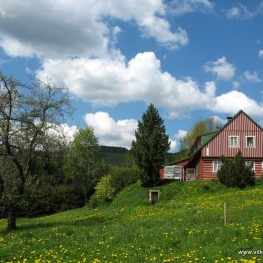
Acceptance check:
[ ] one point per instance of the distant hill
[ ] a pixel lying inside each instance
(115, 155)
(113, 149)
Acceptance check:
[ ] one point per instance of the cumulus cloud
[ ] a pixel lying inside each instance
(108, 82)
(115, 133)
(111, 132)
(173, 146)
(63, 132)
(252, 77)
(221, 68)
(234, 101)
(181, 134)
(260, 53)
(55, 29)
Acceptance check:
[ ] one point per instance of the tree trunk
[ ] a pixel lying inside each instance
(11, 221)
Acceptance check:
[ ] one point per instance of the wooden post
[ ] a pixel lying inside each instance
(224, 213)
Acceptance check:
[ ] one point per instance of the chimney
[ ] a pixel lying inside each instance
(229, 118)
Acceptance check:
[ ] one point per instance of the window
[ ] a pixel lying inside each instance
(248, 163)
(233, 141)
(216, 166)
(250, 141)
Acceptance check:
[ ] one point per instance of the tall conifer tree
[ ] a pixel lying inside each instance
(151, 145)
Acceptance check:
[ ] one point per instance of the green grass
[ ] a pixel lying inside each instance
(187, 225)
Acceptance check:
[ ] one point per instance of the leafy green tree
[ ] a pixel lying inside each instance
(200, 127)
(85, 163)
(27, 115)
(236, 172)
(151, 145)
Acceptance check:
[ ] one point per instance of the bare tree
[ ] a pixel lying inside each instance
(27, 114)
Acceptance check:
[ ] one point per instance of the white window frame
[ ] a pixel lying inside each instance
(216, 166)
(230, 142)
(248, 163)
(253, 144)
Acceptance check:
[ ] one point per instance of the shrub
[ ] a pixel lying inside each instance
(121, 177)
(104, 192)
(111, 184)
(50, 199)
(235, 172)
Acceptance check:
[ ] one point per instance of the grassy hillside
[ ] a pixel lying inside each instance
(185, 226)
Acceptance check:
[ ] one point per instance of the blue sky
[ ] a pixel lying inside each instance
(191, 58)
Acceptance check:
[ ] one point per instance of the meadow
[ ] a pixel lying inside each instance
(186, 225)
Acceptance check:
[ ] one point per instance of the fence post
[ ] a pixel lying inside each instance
(224, 213)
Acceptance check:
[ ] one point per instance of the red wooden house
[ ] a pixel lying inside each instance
(239, 133)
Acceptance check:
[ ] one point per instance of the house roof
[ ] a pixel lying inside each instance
(203, 139)
(177, 161)
(206, 138)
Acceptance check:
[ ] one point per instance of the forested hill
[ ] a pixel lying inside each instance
(113, 149)
(115, 155)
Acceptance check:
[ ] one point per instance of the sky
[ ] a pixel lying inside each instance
(192, 59)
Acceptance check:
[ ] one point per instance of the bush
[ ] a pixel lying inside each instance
(111, 184)
(104, 192)
(121, 177)
(235, 172)
(50, 199)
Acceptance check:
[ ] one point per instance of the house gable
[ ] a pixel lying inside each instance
(240, 133)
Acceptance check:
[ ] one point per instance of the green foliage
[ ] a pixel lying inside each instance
(121, 177)
(104, 192)
(85, 164)
(151, 144)
(200, 127)
(235, 172)
(113, 183)
(47, 200)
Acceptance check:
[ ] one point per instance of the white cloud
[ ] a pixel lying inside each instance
(260, 53)
(108, 82)
(174, 143)
(241, 12)
(221, 68)
(181, 7)
(252, 77)
(63, 132)
(234, 101)
(115, 133)
(173, 146)
(57, 29)
(111, 132)
(181, 134)
(105, 82)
